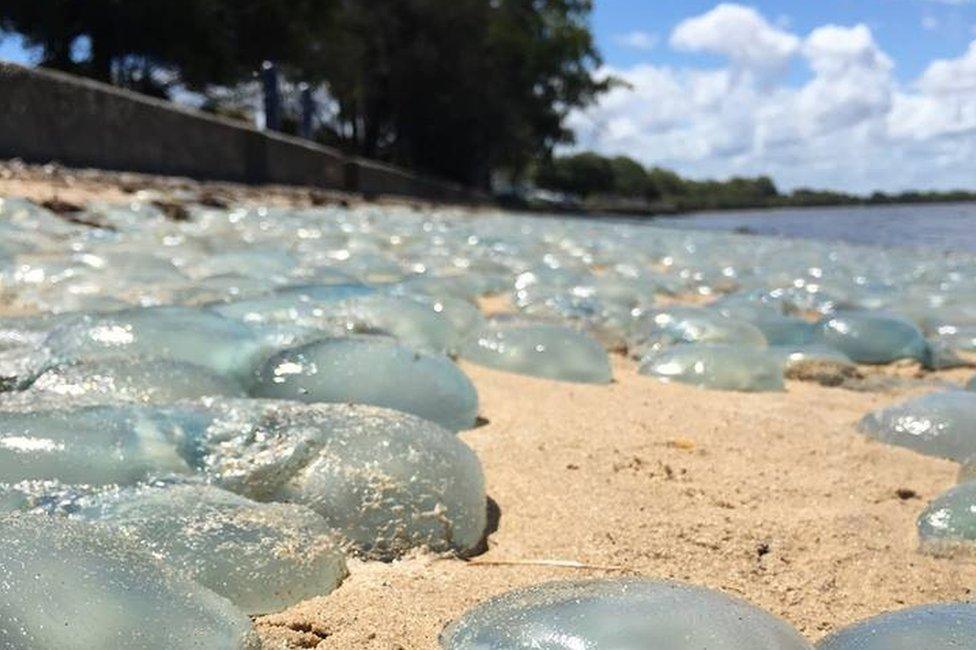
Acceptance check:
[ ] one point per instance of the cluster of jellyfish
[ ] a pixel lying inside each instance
(201, 420)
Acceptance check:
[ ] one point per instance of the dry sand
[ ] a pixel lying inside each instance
(773, 497)
(76, 187)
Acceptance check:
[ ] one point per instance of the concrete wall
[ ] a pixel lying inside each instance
(47, 116)
(373, 178)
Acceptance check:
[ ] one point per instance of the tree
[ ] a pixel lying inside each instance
(458, 88)
(588, 173)
(666, 182)
(463, 87)
(630, 179)
(582, 174)
(196, 42)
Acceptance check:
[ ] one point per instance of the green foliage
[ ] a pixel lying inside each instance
(631, 180)
(201, 41)
(589, 174)
(457, 88)
(622, 184)
(464, 87)
(583, 174)
(667, 182)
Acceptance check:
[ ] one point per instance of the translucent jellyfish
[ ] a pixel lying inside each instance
(941, 626)
(868, 337)
(96, 445)
(720, 367)
(463, 316)
(386, 481)
(28, 330)
(261, 557)
(135, 380)
(939, 424)
(805, 352)
(104, 280)
(20, 366)
(65, 298)
(12, 500)
(962, 337)
(813, 362)
(659, 329)
(784, 330)
(262, 263)
(47, 496)
(939, 355)
(221, 288)
(948, 523)
(373, 371)
(276, 337)
(295, 304)
(615, 614)
(462, 287)
(70, 584)
(414, 323)
(29, 216)
(130, 268)
(193, 335)
(351, 308)
(548, 351)
(324, 275)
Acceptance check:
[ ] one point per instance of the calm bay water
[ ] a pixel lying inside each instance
(943, 227)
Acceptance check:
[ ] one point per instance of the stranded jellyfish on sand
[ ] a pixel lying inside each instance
(719, 367)
(939, 424)
(550, 351)
(71, 584)
(372, 370)
(622, 613)
(945, 626)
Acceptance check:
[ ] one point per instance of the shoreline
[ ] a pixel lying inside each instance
(77, 185)
(639, 217)
(770, 497)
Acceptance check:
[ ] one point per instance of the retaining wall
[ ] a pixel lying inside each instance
(48, 116)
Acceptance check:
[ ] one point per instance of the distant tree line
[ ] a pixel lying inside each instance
(457, 88)
(610, 183)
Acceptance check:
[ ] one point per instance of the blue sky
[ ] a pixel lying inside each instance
(852, 95)
(12, 49)
(912, 32)
(844, 94)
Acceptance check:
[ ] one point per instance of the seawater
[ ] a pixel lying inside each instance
(944, 226)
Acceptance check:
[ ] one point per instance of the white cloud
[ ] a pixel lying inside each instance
(943, 104)
(638, 40)
(951, 76)
(832, 49)
(852, 81)
(740, 33)
(850, 126)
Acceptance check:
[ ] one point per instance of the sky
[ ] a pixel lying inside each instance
(12, 49)
(854, 95)
(841, 94)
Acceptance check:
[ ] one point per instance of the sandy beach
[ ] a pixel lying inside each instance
(773, 497)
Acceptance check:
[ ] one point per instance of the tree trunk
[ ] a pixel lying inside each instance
(101, 58)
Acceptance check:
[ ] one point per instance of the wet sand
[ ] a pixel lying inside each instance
(773, 497)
